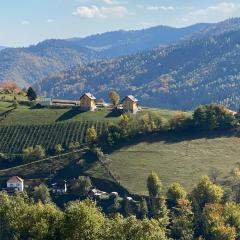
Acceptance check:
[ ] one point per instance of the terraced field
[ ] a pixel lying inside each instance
(25, 126)
(16, 138)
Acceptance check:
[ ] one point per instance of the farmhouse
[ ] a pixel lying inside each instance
(130, 104)
(15, 183)
(88, 102)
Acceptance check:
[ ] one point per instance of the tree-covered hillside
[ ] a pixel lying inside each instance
(180, 76)
(26, 65)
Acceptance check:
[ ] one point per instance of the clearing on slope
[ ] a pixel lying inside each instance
(176, 158)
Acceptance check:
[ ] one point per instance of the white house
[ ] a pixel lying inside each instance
(16, 183)
(59, 187)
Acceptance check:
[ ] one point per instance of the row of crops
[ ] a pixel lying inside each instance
(13, 139)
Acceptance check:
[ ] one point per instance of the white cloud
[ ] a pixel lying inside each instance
(25, 22)
(160, 8)
(216, 12)
(100, 12)
(110, 2)
(50, 21)
(224, 8)
(107, 2)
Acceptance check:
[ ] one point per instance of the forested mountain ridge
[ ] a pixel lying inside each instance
(119, 43)
(26, 65)
(181, 76)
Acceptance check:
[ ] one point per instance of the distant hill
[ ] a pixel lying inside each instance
(26, 65)
(180, 76)
(119, 43)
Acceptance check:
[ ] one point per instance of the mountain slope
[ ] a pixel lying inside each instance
(180, 76)
(119, 43)
(26, 65)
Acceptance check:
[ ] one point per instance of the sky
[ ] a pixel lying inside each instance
(26, 22)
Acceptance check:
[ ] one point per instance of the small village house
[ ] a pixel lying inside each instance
(59, 187)
(88, 102)
(130, 104)
(16, 183)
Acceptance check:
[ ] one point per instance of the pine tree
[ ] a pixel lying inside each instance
(31, 94)
(143, 209)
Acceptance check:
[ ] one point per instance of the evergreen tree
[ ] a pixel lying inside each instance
(143, 209)
(127, 208)
(31, 94)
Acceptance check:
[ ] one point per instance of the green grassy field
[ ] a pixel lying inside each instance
(24, 115)
(175, 159)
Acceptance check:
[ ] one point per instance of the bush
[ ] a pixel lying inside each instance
(58, 149)
(33, 153)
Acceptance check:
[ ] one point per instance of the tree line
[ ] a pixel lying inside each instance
(205, 118)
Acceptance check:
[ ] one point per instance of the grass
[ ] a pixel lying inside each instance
(175, 159)
(24, 115)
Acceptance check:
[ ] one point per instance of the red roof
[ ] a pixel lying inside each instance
(15, 179)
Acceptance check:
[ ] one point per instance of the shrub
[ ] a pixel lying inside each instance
(33, 153)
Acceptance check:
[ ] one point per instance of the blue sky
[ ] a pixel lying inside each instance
(24, 22)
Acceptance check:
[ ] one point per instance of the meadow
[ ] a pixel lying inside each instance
(183, 159)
